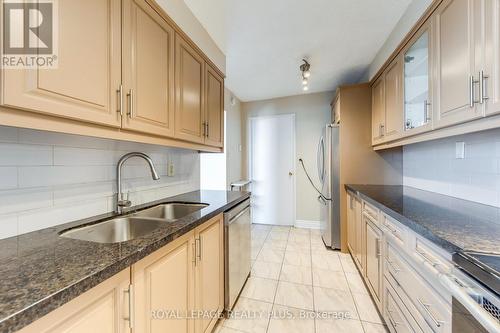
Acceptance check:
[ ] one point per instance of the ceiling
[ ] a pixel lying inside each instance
(265, 41)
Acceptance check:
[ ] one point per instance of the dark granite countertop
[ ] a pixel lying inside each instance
(455, 225)
(41, 271)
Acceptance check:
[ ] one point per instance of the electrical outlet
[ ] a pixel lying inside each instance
(460, 150)
(170, 169)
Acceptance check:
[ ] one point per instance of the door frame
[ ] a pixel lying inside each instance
(292, 116)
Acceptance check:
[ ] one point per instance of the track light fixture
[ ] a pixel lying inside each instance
(306, 73)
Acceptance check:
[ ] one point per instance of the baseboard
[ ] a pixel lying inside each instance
(307, 224)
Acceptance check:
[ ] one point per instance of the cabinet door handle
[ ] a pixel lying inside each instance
(204, 124)
(120, 101)
(208, 129)
(394, 267)
(194, 252)
(130, 96)
(378, 249)
(131, 309)
(427, 309)
(471, 91)
(198, 248)
(427, 258)
(426, 111)
(482, 83)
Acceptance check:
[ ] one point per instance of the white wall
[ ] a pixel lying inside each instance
(312, 112)
(48, 178)
(234, 140)
(185, 19)
(432, 166)
(404, 25)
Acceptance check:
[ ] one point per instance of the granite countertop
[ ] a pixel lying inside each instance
(41, 271)
(455, 225)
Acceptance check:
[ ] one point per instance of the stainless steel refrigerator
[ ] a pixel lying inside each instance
(329, 176)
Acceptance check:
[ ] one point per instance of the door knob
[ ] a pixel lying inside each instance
(290, 173)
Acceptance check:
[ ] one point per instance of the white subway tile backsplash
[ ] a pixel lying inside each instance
(17, 155)
(49, 178)
(432, 166)
(8, 178)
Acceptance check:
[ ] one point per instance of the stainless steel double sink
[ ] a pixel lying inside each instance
(135, 225)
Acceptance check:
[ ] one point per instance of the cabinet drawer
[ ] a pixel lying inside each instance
(394, 230)
(370, 210)
(429, 257)
(428, 303)
(397, 316)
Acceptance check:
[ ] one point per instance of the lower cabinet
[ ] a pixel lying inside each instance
(102, 309)
(355, 230)
(373, 269)
(179, 288)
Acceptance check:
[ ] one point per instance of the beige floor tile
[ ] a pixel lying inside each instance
(265, 227)
(300, 231)
(319, 249)
(277, 235)
(250, 323)
(298, 247)
(266, 270)
(299, 238)
(273, 255)
(326, 260)
(348, 264)
(329, 279)
(289, 320)
(356, 283)
(276, 244)
(366, 308)
(297, 258)
(254, 251)
(374, 328)
(335, 301)
(281, 228)
(296, 274)
(338, 325)
(294, 295)
(260, 289)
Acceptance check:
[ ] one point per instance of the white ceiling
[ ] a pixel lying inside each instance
(264, 41)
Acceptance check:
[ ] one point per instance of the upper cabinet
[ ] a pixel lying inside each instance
(387, 102)
(456, 62)
(393, 101)
(417, 82)
(214, 114)
(148, 70)
(450, 82)
(491, 74)
(84, 85)
(130, 75)
(189, 79)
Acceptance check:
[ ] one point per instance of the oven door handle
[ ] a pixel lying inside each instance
(461, 295)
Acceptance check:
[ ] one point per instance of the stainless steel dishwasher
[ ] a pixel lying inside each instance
(237, 257)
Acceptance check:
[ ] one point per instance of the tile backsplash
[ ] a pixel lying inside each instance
(49, 178)
(433, 166)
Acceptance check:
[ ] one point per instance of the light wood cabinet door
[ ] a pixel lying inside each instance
(209, 273)
(190, 84)
(378, 110)
(456, 79)
(351, 223)
(163, 282)
(102, 309)
(214, 117)
(84, 85)
(358, 220)
(492, 56)
(148, 70)
(393, 77)
(373, 252)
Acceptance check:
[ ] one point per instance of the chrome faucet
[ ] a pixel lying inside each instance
(120, 201)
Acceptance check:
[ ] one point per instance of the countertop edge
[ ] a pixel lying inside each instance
(413, 225)
(17, 321)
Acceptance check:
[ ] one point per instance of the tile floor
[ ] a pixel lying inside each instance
(305, 286)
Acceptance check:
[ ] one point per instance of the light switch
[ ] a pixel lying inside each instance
(460, 150)
(170, 169)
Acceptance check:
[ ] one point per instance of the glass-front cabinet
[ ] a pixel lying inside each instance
(417, 97)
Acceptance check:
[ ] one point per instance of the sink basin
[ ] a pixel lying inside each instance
(170, 211)
(115, 231)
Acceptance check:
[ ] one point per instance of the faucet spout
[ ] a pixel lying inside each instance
(120, 201)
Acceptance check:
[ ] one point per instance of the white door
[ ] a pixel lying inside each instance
(272, 169)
